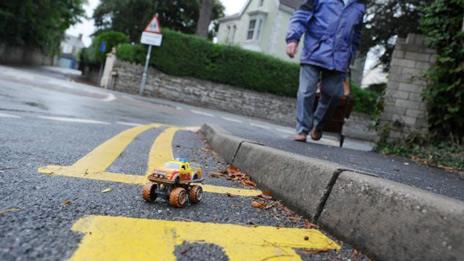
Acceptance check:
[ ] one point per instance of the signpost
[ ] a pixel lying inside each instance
(101, 49)
(152, 37)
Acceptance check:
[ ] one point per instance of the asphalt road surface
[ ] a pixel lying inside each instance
(50, 94)
(73, 159)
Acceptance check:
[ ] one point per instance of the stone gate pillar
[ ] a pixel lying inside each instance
(405, 110)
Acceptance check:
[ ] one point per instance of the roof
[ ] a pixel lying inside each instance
(292, 4)
(230, 17)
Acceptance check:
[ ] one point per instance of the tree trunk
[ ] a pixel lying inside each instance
(206, 11)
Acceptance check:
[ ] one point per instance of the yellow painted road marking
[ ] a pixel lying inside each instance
(138, 180)
(121, 238)
(104, 155)
(161, 151)
(231, 191)
(93, 165)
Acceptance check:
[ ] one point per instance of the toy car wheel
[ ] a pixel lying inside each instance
(149, 192)
(178, 197)
(195, 194)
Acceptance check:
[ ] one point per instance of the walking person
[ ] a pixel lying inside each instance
(332, 35)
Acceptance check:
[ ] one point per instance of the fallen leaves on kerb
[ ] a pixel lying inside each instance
(266, 202)
(257, 204)
(233, 173)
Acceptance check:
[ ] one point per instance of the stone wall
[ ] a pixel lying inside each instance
(23, 56)
(204, 93)
(277, 109)
(405, 110)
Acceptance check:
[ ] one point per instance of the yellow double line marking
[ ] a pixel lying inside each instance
(94, 165)
(144, 239)
(123, 238)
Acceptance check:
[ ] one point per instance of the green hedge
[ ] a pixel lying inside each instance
(442, 24)
(92, 55)
(366, 101)
(186, 55)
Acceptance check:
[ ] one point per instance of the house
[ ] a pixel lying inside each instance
(261, 26)
(70, 48)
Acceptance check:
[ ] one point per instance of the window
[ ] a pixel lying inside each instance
(234, 30)
(231, 30)
(254, 29)
(258, 30)
(228, 34)
(261, 2)
(171, 165)
(251, 29)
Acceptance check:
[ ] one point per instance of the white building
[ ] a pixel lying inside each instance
(70, 48)
(260, 26)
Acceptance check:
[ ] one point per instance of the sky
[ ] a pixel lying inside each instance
(86, 27)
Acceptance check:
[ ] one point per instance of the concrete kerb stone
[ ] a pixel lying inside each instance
(301, 182)
(225, 145)
(385, 219)
(392, 221)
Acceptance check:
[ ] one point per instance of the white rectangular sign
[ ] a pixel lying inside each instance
(151, 38)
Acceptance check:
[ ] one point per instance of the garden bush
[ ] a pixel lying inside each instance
(442, 24)
(92, 55)
(191, 56)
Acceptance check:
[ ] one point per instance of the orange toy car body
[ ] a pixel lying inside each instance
(177, 171)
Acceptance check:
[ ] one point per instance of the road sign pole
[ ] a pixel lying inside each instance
(145, 70)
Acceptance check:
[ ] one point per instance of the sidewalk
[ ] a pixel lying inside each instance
(389, 167)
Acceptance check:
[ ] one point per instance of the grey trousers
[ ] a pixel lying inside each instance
(331, 91)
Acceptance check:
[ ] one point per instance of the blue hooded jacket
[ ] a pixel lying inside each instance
(332, 32)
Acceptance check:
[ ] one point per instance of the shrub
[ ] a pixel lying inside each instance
(111, 39)
(92, 55)
(186, 55)
(442, 24)
(365, 100)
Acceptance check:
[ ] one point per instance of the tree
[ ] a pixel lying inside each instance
(132, 16)
(38, 24)
(387, 19)
(94, 54)
(206, 10)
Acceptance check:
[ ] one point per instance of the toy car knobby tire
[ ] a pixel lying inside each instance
(149, 192)
(195, 194)
(178, 197)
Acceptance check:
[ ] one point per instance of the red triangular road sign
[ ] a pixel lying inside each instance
(153, 26)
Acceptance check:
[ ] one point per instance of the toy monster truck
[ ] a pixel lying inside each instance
(175, 181)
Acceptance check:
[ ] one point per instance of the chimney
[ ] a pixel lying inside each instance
(80, 37)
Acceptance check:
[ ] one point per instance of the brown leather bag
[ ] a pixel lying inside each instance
(346, 88)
